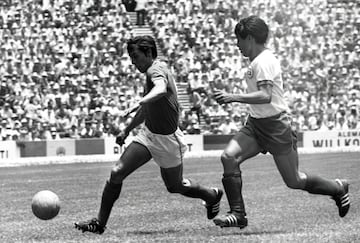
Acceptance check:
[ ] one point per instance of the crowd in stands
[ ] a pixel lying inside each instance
(65, 73)
(318, 43)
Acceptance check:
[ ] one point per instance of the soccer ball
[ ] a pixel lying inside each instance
(45, 205)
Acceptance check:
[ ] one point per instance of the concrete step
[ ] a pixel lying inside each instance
(146, 29)
(183, 96)
(132, 17)
(185, 101)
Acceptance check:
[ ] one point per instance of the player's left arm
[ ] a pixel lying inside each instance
(262, 96)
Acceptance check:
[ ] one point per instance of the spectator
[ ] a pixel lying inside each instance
(74, 132)
(140, 11)
(196, 102)
(6, 112)
(354, 104)
(130, 5)
(98, 129)
(341, 124)
(54, 134)
(87, 131)
(193, 128)
(227, 126)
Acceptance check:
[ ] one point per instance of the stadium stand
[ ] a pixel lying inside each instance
(64, 70)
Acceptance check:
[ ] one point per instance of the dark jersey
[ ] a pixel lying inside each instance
(162, 115)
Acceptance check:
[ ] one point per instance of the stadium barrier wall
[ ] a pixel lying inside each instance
(105, 150)
(70, 147)
(216, 142)
(331, 139)
(193, 143)
(9, 150)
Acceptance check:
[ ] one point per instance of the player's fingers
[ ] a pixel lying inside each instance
(219, 100)
(217, 93)
(217, 96)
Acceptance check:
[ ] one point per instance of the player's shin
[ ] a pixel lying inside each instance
(194, 190)
(176, 184)
(233, 186)
(317, 185)
(110, 194)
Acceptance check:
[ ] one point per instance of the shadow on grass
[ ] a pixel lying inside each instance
(255, 232)
(153, 232)
(221, 233)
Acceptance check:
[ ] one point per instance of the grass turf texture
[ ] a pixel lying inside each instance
(146, 212)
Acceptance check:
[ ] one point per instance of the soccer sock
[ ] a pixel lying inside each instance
(194, 190)
(110, 194)
(317, 185)
(173, 178)
(233, 185)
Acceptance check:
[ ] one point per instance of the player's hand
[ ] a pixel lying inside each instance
(130, 110)
(222, 97)
(120, 139)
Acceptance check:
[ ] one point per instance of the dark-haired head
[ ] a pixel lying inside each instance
(144, 43)
(254, 26)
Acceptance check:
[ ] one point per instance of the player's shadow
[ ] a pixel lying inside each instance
(255, 232)
(223, 233)
(153, 232)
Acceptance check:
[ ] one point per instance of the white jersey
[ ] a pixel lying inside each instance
(266, 68)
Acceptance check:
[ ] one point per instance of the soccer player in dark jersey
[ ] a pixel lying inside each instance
(159, 138)
(268, 129)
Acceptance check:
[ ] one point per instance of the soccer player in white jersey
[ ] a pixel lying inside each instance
(268, 129)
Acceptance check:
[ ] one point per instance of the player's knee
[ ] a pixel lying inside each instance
(174, 188)
(178, 186)
(228, 161)
(117, 174)
(292, 184)
(297, 183)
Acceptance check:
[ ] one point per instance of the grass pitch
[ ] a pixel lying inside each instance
(146, 212)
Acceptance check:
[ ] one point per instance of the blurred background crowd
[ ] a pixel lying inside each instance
(65, 73)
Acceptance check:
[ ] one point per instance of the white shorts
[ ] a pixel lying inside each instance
(167, 150)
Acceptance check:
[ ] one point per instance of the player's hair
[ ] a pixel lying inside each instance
(254, 26)
(144, 43)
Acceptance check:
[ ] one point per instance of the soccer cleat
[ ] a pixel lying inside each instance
(91, 225)
(231, 220)
(214, 208)
(342, 200)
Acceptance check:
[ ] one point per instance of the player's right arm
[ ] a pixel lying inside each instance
(262, 96)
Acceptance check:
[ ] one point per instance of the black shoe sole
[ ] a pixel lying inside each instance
(221, 224)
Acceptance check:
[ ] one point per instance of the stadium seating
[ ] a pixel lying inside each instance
(64, 69)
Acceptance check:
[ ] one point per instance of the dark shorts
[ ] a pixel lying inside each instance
(273, 134)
